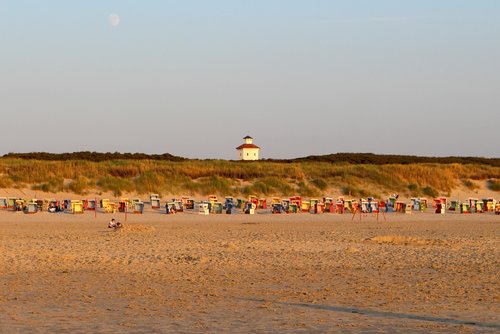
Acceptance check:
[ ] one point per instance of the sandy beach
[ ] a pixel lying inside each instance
(194, 166)
(264, 273)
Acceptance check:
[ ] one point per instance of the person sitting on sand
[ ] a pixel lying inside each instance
(114, 224)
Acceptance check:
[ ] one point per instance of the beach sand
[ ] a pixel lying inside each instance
(264, 273)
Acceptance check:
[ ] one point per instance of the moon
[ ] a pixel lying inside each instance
(114, 20)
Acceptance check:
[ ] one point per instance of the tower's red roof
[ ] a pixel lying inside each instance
(247, 146)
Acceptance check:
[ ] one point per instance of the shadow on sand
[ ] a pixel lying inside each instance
(382, 314)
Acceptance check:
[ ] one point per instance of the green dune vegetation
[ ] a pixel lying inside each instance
(83, 173)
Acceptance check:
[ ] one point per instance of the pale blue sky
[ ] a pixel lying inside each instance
(302, 77)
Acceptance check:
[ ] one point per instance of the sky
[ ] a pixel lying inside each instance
(303, 77)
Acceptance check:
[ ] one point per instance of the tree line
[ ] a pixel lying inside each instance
(92, 156)
(387, 159)
(349, 158)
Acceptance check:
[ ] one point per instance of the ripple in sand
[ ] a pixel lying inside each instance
(404, 240)
(136, 229)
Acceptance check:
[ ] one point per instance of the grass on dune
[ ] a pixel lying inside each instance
(241, 178)
(494, 185)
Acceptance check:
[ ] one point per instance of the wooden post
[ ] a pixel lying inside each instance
(356, 211)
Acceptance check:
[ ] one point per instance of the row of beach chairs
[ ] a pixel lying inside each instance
(275, 205)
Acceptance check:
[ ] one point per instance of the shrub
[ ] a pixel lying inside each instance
(5, 182)
(148, 182)
(277, 186)
(320, 184)
(355, 192)
(493, 185)
(211, 185)
(53, 185)
(414, 189)
(78, 186)
(116, 185)
(124, 171)
(42, 187)
(306, 190)
(469, 184)
(430, 192)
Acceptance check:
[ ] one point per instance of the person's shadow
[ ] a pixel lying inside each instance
(382, 314)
